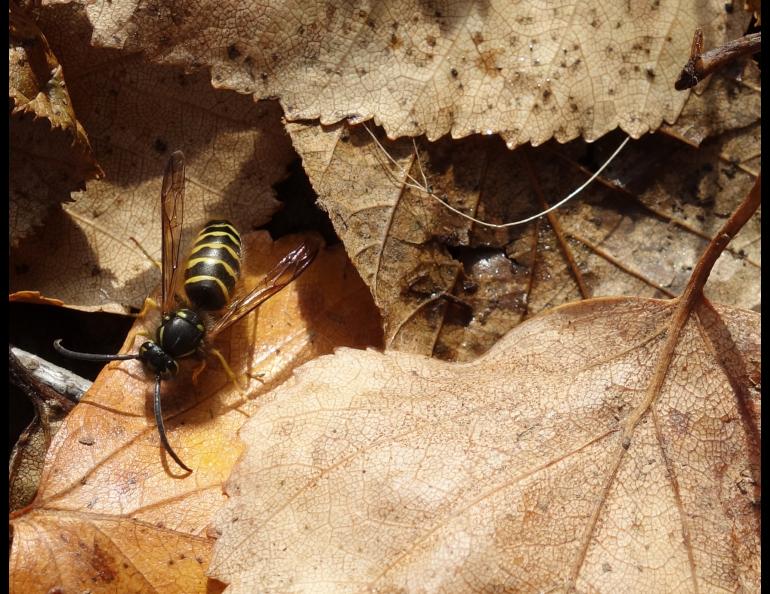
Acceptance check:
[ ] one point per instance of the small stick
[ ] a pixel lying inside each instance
(700, 64)
(61, 380)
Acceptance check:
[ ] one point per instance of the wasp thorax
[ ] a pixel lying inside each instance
(180, 334)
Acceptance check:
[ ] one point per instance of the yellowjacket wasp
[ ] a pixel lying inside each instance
(211, 274)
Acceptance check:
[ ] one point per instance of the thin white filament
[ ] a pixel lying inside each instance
(413, 183)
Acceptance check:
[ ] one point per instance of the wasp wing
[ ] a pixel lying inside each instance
(172, 214)
(283, 273)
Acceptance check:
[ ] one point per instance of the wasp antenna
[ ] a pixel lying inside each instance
(162, 429)
(89, 356)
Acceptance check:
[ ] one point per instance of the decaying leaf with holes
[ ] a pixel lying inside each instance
(137, 115)
(450, 288)
(527, 71)
(50, 153)
(112, 512)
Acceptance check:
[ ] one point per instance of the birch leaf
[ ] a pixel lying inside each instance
(526, 71)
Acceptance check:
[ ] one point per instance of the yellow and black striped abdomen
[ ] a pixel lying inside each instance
(213, 266)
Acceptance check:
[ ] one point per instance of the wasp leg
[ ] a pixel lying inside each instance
(162, 429)
(197, 371)
(228, 370)
(149, 303)
(257, 376)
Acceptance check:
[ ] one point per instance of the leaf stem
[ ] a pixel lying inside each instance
(735, 223)
(692, 293)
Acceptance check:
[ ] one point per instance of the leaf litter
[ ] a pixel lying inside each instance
(51, 153)
(606, 445)
(107, 487)
(450, 288)
(137, 114)
(433, 472)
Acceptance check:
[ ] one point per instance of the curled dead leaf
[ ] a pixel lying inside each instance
(33, 297)
(107, 493)
(50, 152)
(51, 408)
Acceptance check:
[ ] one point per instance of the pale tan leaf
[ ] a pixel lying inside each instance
(451, 288)
(137, 115)
(398, 473)
(527, 71)
(113, 512)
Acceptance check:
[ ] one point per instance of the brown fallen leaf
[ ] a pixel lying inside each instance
(685, 197)
(137, 114)
(610, 445)
(450, 288)
(112, 512)
(525, 71)
(731, 100)
(33, 297)
(50, 152)
(28, 454)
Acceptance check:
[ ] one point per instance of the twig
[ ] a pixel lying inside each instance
(37, 370)
(700, 65)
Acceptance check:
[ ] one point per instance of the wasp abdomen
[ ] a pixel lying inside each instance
(214, 265)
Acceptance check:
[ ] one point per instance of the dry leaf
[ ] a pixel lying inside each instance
(524, 471)
(450, 288)
(527, 71)
(732, 100)
(137, 114)
(36, 83)
(754, 6)
(50, 153)
(112, 509)
(689, 195)
(33, 297)
(28, 454)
